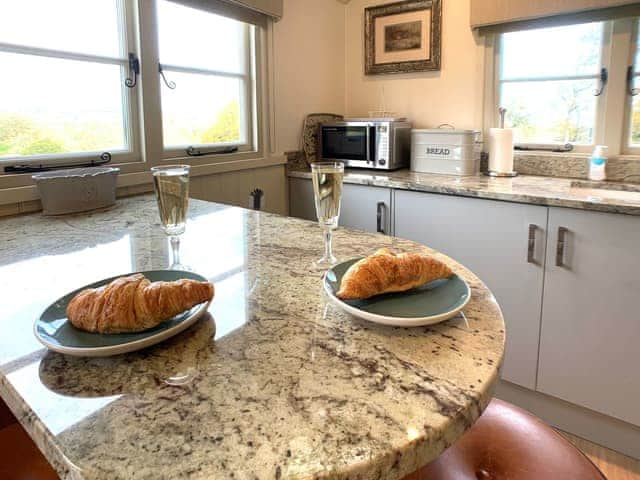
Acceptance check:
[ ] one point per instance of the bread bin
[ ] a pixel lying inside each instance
(445, 151)
(76, 190)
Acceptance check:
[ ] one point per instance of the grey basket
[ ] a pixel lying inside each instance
(77, 189)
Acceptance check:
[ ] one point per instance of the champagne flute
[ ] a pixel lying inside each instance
(172, 193)
(327, 188)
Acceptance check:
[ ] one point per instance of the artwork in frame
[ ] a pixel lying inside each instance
(403, 37)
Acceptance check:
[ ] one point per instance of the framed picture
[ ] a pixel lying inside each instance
(402, 37)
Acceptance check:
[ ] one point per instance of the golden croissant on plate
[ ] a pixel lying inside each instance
(133, 303)
(386, 272)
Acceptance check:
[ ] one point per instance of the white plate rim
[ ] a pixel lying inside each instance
(396, 321)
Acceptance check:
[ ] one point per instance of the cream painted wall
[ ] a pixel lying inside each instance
(453, 95)
(309, 49)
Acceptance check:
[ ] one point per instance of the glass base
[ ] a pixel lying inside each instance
(326, 262)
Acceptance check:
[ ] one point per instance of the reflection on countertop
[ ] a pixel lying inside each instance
(275, 382)
(551, 191)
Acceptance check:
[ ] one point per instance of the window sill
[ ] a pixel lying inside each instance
(29, 193)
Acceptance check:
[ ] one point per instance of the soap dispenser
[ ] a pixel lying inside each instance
(598, 163)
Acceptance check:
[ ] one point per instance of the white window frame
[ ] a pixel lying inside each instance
(611, 126)
(143, 104)
(247, 99)
(128, 43)
(256, 93)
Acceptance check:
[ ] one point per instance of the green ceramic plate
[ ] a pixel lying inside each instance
(56, 333)
(432, 303)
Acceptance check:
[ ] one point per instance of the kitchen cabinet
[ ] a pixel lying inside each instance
(504, 244)
(589, 352)
(362, 208)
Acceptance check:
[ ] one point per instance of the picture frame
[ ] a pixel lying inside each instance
(403, 37)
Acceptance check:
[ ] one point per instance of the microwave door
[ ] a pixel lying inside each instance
(346, 143)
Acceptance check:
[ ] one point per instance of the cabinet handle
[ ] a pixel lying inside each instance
(562, 232)
(532, 244)
(381, 206)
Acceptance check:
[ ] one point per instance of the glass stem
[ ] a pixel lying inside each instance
(327, 244)
(175, 249)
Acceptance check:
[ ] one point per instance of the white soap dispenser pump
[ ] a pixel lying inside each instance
(598, 164)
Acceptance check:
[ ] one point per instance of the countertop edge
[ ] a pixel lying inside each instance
(369, 179)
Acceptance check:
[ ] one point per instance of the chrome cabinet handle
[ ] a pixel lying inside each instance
(532, 244)
(562, 232)
(381, 206)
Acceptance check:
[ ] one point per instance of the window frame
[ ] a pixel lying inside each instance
(146, 117)
(247, 99)
(611, 127)
(261, 110)
(129, 96)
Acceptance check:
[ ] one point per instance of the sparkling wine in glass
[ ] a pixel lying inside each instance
(172, 193)
(327, 188)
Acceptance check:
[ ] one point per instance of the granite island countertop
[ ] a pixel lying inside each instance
(549, 191)
(274, 383)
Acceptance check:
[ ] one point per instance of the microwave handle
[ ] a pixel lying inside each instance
(368, 144)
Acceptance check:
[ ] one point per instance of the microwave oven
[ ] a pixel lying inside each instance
(380, 143)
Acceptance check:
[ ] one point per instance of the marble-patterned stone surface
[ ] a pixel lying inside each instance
(274, 383)
(551, 191)
(619, 169)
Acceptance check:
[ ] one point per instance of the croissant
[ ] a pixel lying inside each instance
(386, 272)
(133, 303)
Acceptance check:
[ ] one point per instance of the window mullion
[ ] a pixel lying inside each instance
(150, 82)
(64, 55)
(202, 71)
(611, 122)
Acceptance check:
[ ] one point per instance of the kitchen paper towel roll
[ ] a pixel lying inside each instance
(501, 150)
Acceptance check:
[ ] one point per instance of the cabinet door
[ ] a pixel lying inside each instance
(361, 206)
(589, 352)
(492, 239)
(301, 199)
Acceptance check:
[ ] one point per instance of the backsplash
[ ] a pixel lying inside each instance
(545, 165)
(571, 166)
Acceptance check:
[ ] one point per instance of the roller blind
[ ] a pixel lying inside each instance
(255, 12)
(508, 15)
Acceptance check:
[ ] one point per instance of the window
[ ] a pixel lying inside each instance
(143, 80)
(568, 85)
(207, 59)
(61, 87)
(633, 74)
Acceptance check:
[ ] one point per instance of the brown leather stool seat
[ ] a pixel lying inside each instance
(508, 443)
(20, 459)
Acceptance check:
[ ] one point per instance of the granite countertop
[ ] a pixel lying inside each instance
(551, 191)
(273, 383)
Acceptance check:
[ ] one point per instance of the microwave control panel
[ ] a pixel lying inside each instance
(382, 144)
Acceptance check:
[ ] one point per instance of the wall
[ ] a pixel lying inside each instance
(453, 95)
(309, 45)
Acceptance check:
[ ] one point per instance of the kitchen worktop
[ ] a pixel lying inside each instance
(275, 382)
(550, 191)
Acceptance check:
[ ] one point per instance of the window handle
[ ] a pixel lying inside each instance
(604, 78)
(630, 90)
(134, 71)
(169, 83)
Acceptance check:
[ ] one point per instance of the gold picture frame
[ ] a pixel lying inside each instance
(403, 37)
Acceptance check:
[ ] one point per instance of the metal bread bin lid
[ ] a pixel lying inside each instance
(74, 173)
(444, 136)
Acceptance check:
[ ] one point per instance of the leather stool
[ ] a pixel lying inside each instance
(20, 459)
(508, 443)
